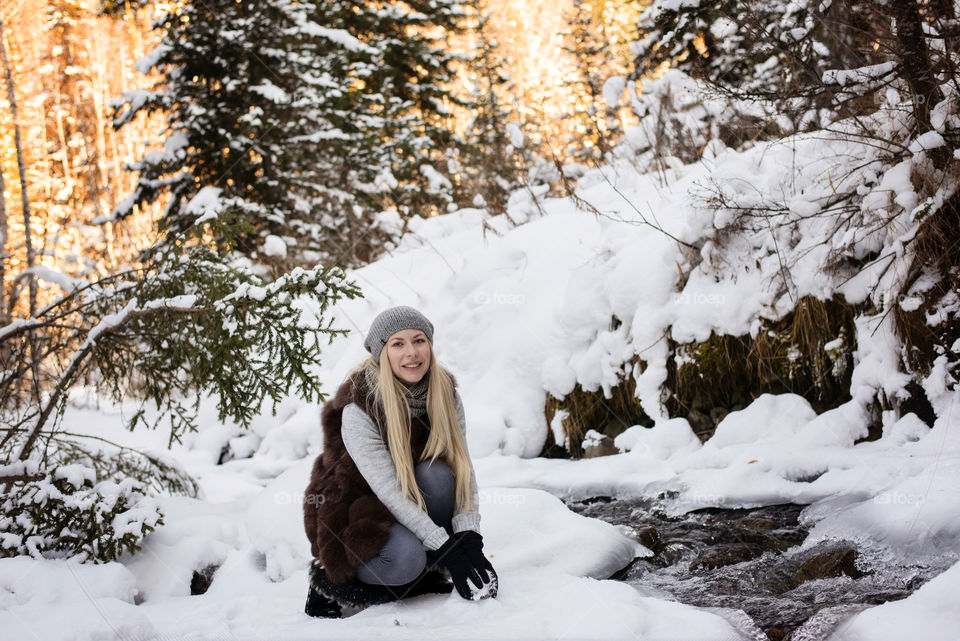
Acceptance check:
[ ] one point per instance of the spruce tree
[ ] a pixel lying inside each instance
(254, 92)
(264, 123)
(594, 121)
(493, 164)
(412, 142)
(293, 125)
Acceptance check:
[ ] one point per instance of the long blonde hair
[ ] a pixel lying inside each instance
(445, 440)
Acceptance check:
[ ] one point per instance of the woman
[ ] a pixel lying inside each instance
(392, 500)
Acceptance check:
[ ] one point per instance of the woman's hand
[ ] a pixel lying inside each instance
(462, 555)
(472, 543)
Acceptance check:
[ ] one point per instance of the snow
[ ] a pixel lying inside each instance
(613, 88)
(271, 92)
(183, 301)
(337, 36)
(145, 64)
(843, 77)
(530, 311)
(515, 134)
(67, 283)
(205, 205)
(75, 475)
(17, 325)
(929, 613)
(546, 557)
(926, 142)
(274, 246)
(436, 182)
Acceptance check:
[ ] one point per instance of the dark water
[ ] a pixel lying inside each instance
(736, 561)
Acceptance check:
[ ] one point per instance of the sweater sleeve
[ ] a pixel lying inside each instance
(469, 520)
(372, 458)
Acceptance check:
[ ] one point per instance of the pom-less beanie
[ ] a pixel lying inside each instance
(389, 322)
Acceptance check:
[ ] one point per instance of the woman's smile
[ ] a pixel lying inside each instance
(409, 354)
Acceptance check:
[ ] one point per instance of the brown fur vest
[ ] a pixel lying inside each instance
(346, 523)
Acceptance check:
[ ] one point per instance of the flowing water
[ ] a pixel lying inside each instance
(747, 565)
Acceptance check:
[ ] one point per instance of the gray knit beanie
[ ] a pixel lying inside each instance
(389, 322)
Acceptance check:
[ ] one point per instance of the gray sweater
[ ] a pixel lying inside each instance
(370, 453)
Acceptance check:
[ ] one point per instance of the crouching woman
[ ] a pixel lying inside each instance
(391, 509)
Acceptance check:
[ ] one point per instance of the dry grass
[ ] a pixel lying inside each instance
(725, 373)
(936, 256)
(588, 410)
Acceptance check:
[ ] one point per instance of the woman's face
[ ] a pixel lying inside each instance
(409, 354)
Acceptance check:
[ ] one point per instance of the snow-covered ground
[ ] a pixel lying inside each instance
(518, 315)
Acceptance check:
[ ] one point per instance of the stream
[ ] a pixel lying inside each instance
(747, 565)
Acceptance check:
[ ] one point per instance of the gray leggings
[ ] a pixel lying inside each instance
(403, 558)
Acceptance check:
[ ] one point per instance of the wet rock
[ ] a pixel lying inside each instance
(717, 414)
(726, 554)
(672, 554)
(202, 578)
(701, 424)
(595, 499)
(602, 448)
(774, 634)
(806, 477)
(756, 523)
(831, 563)
(649, 538)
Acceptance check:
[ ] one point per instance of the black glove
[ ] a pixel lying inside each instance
(462, 556)
(472, 544)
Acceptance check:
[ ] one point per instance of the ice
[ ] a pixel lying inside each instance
(929, 613)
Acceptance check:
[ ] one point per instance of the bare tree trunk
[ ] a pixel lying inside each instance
(24, 196)
(25, 200)
(4, 315)
(915, 57)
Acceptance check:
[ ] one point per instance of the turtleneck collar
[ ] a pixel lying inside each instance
(416, 394)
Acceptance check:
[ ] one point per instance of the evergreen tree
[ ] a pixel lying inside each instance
(254, 91)
(291, 125)
(595, 123)
(413, 143)
(261, 113)
(493, 159)
(772, 52)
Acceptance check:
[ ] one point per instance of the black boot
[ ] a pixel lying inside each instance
(350, 598)
(429, 582)
(319, 605)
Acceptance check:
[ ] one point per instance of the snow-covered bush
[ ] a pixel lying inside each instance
(682, 118)
(863, 191)
(67, 513)
(182, 325)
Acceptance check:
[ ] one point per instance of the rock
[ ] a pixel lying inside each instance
(671, 554)
(701, 424)
(600, 445)
(717, 414)
(756, 523)
(202, 578)
(834, 562)
(648, 537)
(774, 634)
(726, 554)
